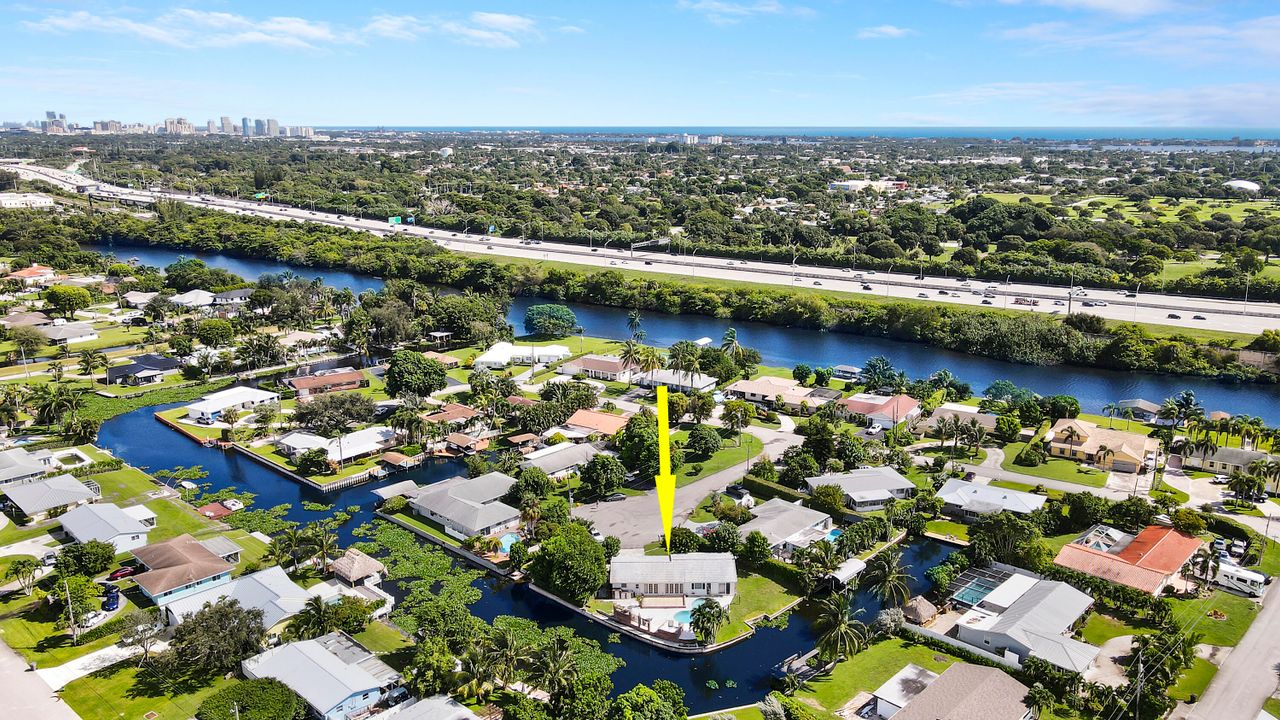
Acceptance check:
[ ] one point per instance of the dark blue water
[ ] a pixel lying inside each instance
(141, 440)
(787, 347)
(984, 132)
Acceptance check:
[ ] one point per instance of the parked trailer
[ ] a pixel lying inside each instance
(1247, 582)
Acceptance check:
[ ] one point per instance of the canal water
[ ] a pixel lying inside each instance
(790, 346)
(141, 440)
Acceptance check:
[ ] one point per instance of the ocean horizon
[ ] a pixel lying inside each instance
(1060, 134)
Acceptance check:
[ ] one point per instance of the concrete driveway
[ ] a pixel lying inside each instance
(26, 695)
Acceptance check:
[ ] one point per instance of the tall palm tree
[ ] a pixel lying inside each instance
(509, 653)
(91, 361)
(887, 577)
(1072, 436)
(631, 354)
(555, 668)
(634, 325)
(1110, 410)
(1102, 455)
(730, 345)
(650, 361)
(840, 634)
(475, 675)
(316, 618)
(325, 544)
(706, 619)
(1205, 565)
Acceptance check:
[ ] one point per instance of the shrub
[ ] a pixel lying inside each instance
(1031, 456)
(262, 699)
(394, 505)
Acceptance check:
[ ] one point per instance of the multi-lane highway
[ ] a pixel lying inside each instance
(1226, 315)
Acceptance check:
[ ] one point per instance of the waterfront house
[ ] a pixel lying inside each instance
(867, 489)
(233, 297)
(560, 461)
(351, 446)
(676, 381)
(50, 496)
(325, 381)
(182, 566)
(586, 423)
(193, 299)
(464, 443)
(1101, 447)
(846, 372)
(1147, 561)
(448, 361)
(1226, 460)
(269, 590)
(883, 410)
(125, 528)
(502, 354)
(899, 690)
(1023, 616)
(700, 574)
(137, 299)
(961, 413)
(210, 407)
(782, 393)
(143, 370)
(969, 692)
(436, 707)
(18, 466)
(1142, 410)
(599, 367)
(337, 677)
(787, 526)
(456, 417)
(69, 333)
(35, 274)
(466, 507)
(966, 501)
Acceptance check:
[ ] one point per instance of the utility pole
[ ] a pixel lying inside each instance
(71, 611)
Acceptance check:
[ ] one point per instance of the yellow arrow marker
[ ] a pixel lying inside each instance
(665, 481)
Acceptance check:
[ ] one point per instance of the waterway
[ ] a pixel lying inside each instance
(141, 440)
(786, 347)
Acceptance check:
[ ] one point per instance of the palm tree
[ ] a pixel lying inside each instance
(1127, 414)
(325, 544)
(81, 430)
(1110, 410)
(1205, 565)
(634, 323)
(631, 355)
(839, 633)
(1072, 436)
(730, 345)
(91, 361)
(295, 542)
(706, 619)
(685, 358)
(316, 618)
(887, 577)
(475, 674)
(1102, 455)
(650, 361)
(555, 668)
(509, 652)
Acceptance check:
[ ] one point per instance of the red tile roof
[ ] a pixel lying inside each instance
(1110, 567)
(596, 421)
(452, 413)
(1160, 548)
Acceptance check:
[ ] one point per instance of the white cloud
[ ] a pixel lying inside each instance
(1239, 104)
(1241, 42)
(186, 28)
(1131, 8)
(884, 31)
(723, 12)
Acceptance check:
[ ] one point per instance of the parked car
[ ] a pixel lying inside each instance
(875, 428)
(1219, 480)
(615, 497)
(49, 559)
(1219, 544)
(597, 535)
(112, 602)
(1237, 548)
(122, 572)
(91, 618)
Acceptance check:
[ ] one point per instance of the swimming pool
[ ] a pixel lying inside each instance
(834, 534)
(507, 540)
(684, 617)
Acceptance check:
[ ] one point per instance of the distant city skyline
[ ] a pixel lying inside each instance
(1032, 63)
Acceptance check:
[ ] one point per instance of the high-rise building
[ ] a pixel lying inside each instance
(211, 128)
(259, 128)
(715, 139)
(273, 128)
(690, 139)
(228, 127)
(50, 115)
(244, 127)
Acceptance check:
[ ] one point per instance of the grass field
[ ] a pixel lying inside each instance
(1228, 631)
(869, 670)
(1025, 487)
(756, 596)
(1272, 706)
(126, 691)
(1100, 628)
(728, 456)
(1193, 680)
(1055, 469)
(957, 530)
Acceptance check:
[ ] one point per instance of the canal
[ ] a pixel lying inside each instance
(141, 440)
(787, 347)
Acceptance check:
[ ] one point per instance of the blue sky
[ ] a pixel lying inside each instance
(665, 62)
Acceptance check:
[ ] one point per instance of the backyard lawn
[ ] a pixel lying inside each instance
(126, 691)
(957, 530)
(756, 596)
(425, 526)
(1054, 469)
(869, 669)
(730, 454)
(1024, 487)
(1100, 628)
(380, 638)
(1228, 631)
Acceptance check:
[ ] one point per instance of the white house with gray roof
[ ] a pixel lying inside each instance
(969, 501)
(125, 528)
(466, 507)
(269, 590)
(867, 489)
(336, 676)
(787, 526)
(561, 460)
(19, 466)
(633, 573)
(1025, 617)
(38, 498)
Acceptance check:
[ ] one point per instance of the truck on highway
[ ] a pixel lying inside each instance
(1025, 301)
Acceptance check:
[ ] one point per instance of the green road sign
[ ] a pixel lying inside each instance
(394, 219)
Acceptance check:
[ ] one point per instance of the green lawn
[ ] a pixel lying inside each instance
(356, 467)
(30, 630)
(757, 596)
(869, 669)
(126, 486)
(1272, 706)
(380, 638)
(957, 530)
(426, 526)
(1100, 628)
(1193, 680)
(173, 520)
(1025, 487)
(12, 533)
(1055, 542)
(961, 453)
(1228, 631)
(126, 692)
(201, 431)
(1270, 562)
(730, 454)
(1055, 469)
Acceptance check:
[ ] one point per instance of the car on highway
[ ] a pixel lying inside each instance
(922, 295)
(866, 286)
(1173, 316)
(943, 292)
(1059, 302)
(1197, 317)
(1099, 303)
(817, 282)
(648, 262)
(613, 262)
(871, 272)
(1088, 303)
(988, 295)
(488, 247)
(595, 249)
(845, 270)
(122, 572)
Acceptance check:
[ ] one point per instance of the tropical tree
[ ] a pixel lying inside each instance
(1205, 565)
(555, 667)
(316, 618)
(631, 355)
(635, 325)
(840, 634)
(706, 619)
(91, 361)
(887, 577)
(475, 676)
(509, 652)
(1071, 436)
(736, 416)
(730, 346)
(23, 569)
(1110, 410)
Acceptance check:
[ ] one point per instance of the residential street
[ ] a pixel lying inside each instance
(25, 694)
(1248, 676)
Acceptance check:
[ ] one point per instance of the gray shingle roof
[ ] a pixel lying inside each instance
(559, 458)
(778, 520)
(968, 692)
(100, 522)
(471, 503)
(48, 493)
(865, 480)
